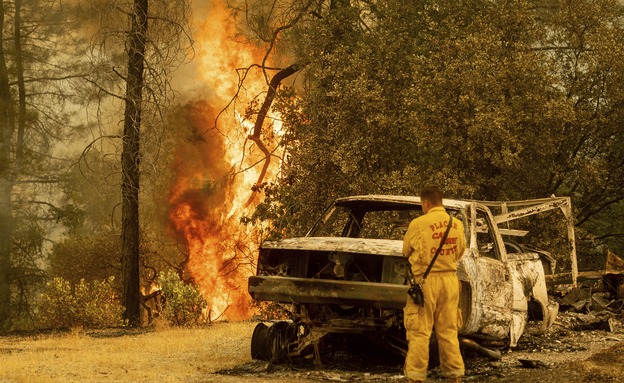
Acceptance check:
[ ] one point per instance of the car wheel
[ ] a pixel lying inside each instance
(258, 343)
(272, 344)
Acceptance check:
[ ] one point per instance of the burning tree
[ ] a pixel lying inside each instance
(226, 159)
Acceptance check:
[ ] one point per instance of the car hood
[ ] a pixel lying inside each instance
(387, 247)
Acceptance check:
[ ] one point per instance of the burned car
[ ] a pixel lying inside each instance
(347, 275)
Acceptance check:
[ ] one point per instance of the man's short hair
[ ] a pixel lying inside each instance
(431, 193)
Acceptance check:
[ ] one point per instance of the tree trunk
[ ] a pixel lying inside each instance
(7, 127)
(21, 87)
(5, 240)
(130, 160)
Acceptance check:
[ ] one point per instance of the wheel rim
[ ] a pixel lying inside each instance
(259, 341)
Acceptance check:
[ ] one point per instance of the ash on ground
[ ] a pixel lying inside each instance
(589, 326)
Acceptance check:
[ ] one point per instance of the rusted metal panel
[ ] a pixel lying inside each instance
(373, 198)
(566, 278)
(531, 207)
(346, 245)
(495, 296)
(529, 284)
(327, 291)
(614, 264)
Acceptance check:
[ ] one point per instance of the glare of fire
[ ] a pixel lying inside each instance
(221, 251)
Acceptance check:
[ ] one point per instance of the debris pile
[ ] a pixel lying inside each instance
(597, 305)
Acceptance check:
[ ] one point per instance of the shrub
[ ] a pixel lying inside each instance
(184, 303)
(89, 305)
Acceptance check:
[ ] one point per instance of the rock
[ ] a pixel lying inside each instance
(533, 363)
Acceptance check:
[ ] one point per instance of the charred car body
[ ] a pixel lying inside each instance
(347, 275)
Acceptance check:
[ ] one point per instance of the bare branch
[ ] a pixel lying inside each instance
(103, 90)
(264, 110)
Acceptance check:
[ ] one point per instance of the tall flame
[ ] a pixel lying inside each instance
(215, 173)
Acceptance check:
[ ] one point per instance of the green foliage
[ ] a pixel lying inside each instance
(491, 100)
(184, 303)
(89, 305)
(89, 258)
(41, 62)
(97, 256)
(25, 272)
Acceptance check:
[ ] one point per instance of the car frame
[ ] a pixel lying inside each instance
(503, 283)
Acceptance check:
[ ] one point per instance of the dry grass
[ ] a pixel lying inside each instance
(194, 355)
(161, 355)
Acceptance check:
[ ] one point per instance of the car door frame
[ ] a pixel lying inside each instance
(488, 281)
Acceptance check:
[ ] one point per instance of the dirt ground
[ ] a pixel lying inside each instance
(578, 348)
(573, 350)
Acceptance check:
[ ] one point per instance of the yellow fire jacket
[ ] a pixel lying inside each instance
(423, 237)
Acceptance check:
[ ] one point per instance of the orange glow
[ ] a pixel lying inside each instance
(215, 170)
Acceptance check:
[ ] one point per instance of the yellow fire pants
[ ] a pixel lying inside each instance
(441, 293)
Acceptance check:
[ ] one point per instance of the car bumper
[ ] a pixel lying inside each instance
(327, 291)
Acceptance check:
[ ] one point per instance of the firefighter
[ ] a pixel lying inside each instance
(440, 290)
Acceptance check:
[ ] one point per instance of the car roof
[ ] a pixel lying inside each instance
(379, 201)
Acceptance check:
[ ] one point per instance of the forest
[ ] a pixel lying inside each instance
(148, 147)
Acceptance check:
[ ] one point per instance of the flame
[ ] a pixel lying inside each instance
(215, 172)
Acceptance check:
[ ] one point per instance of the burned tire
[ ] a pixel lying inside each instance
(272, 344)
(281, 334)
(259, 341)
